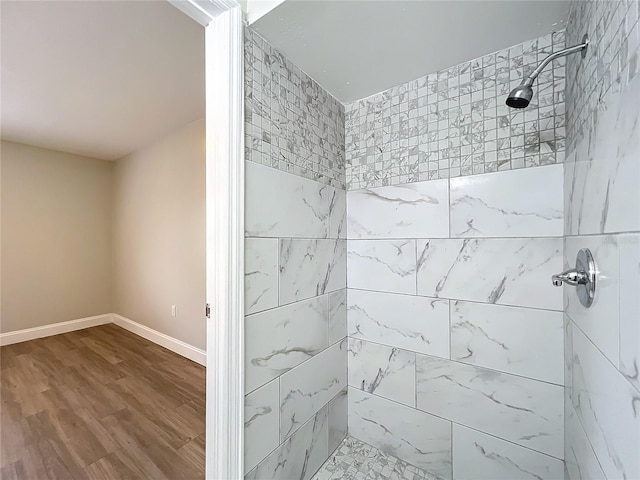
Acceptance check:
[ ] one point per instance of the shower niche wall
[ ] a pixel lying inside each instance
(399, 256)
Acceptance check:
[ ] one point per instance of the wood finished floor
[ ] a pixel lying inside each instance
(100, 403)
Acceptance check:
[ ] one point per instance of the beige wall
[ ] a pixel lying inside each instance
(159, 235)
(56, 236)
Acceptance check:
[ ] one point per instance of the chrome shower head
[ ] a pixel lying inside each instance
(520, 96)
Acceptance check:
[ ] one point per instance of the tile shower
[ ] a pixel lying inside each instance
(399, 251)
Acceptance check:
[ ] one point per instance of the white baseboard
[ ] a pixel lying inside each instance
(170, 343)
(53, 329)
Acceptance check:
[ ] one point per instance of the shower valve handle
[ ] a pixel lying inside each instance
(570, 277)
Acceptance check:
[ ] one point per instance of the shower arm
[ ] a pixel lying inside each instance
(562, 53)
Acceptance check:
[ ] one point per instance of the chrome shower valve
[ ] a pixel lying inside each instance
(583, 277)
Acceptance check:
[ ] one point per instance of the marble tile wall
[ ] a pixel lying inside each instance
(291, 123)
(455, 332)
(454, 122)
(602, 213)
(295, 269)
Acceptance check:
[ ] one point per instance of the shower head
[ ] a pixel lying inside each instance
(523, 93)
(520, 96)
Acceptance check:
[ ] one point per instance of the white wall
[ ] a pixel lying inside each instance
(159, 235)
(56, 236)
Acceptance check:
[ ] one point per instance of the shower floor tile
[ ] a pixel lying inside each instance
(356, 460)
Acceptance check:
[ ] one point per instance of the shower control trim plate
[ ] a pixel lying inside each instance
(583, 277)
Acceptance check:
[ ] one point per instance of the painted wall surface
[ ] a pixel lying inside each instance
(602, 213)
(295, 269)
(159, 235)
(56, 236)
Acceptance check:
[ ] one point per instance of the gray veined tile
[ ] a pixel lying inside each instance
(522, 341)
(508, 271)
(416, 437)
(605, 334)
(261, 423)
(338, 214)
(477, 456)
(279, 204)
(383, 265)
(419, 324)
(338, 419)
(386, 371)
(607, 406)
(518, 203)
(261, 274)
(413, 210)
(337, 315)
(305, 389)
(629, 252)
(279, 339)
(580, 460)
(311, 267)
(300, 456)
(524, 411)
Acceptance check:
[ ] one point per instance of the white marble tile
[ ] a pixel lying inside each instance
(413, 210)
(260, 274)
(337, 315)
(338, 214)
(608, 408)
(477, 456)
(279, 339)
(580, 460)
(386, 371)
(413, 436)
(605, 334)
(601, 181)
(629, 251)
(522, 341)
(338, 419)
(261, 423)
(507, 271)
(311, 267)
(516, 203)
(305, 389)
(300, 456)
(384, 265)
(523, 411)
(278, 204)
(419, 324)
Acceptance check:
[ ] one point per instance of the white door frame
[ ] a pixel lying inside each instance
(225, 233)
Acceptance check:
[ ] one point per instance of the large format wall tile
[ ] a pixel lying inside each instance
(629, 251)
(604, 333)
(338, 419)
(386, 371)
(261, 423)
(300, 456)
(279, 339)
(311, 267)
(601, 178)
(515, 340)
(384, 265)
(517, 203)
(279, 204)
(414, 210)
(416, 437)
(337, 315)
(608, 408)
(413, 323)
(260, 274)
(305, 389)
(338, 214)
(524, 411)
(514, 271)
(477, 456)
(580, 460)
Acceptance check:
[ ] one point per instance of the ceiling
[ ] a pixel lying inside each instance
(357, 48)
(98, 78)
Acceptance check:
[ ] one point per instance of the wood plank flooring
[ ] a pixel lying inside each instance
(100, 403)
